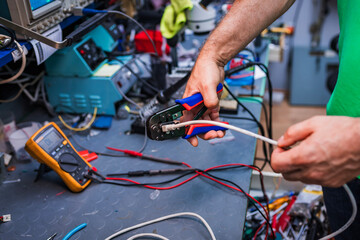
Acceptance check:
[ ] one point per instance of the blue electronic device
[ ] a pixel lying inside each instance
(35, 4)
(80, 78)
(106, 35)
(244, 77)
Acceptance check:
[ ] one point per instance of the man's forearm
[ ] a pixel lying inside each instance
(245, 20)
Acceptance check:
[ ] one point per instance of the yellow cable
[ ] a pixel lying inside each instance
(82, 128)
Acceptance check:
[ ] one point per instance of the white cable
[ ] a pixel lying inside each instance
(27, 93)
(351, 219)
(162, 219)
(22, 89)
(170, 127)
(152, 235)
(22, 68)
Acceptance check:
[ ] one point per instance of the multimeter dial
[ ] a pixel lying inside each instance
(68, 162)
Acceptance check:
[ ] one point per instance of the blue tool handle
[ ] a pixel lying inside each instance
(196, 99)
(201, 128)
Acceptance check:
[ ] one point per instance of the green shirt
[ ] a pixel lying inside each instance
(345, 100)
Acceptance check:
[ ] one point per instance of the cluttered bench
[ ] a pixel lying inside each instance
(45, 207)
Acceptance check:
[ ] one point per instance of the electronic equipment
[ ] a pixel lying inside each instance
(201, 18)
(50, 146)
(80, 78)
(106, 35)
(39, 15)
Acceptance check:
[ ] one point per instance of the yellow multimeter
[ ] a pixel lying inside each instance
(50, 146)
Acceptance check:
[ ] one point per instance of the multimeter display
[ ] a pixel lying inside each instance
(50, 146)
(51, 140)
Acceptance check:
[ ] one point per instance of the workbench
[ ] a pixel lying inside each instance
(40, 209)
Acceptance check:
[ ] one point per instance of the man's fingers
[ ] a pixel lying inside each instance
(285, 160)
(193, 141)
(210, 96)
(296, 133)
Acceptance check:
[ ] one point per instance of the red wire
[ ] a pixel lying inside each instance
(200, 173)
(257, 231)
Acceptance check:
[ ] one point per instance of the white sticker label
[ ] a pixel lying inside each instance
(16, 54)
(43, 51)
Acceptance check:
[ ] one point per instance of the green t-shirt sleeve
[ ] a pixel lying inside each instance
(345, 100)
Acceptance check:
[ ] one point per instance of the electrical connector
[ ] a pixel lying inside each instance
(168, 127)
(5, 218)
(77, 11)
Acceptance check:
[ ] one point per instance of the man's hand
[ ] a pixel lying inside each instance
(205, 77)
(328, 153)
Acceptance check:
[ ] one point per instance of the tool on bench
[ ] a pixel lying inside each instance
(50, 146)
(169, 115)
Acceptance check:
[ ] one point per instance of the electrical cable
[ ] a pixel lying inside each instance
(351, 219)
(170, 127)
(23, 63)
(88, 125)
(75, 230)
(254, 119)
(128, 99)
(249, 198)
(202, 172)
(22, 89)
(163, 219)
(149, 235)
(199, 172)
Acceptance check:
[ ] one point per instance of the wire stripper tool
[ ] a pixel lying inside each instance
(168, 116)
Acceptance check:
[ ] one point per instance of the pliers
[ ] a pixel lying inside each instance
(168, 116)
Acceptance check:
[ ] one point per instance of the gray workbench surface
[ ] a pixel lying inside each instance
(40, 209)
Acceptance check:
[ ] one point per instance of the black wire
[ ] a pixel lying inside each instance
(264, 68)
(207, 173)
(143, 184)
(72, 136)
(261, 128)
(250, 200)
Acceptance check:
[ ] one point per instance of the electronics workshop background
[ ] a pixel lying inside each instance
(85, 86)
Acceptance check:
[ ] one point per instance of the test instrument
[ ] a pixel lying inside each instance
(50, 146)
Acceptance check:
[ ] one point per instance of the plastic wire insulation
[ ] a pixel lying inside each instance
(170, 127)
(22, 89)
(23, 63)
(82, 128)
(128, 99)
(216, 168)
(163, 219)
(351, 219)
(75, 230)
(258, 230)
(149, 235)
(209, 177)
(266, 218)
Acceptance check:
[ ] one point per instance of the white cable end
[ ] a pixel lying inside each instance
(168, 127)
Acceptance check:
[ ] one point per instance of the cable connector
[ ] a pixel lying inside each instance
(168, 127)
(79, 11)
(5, 218)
